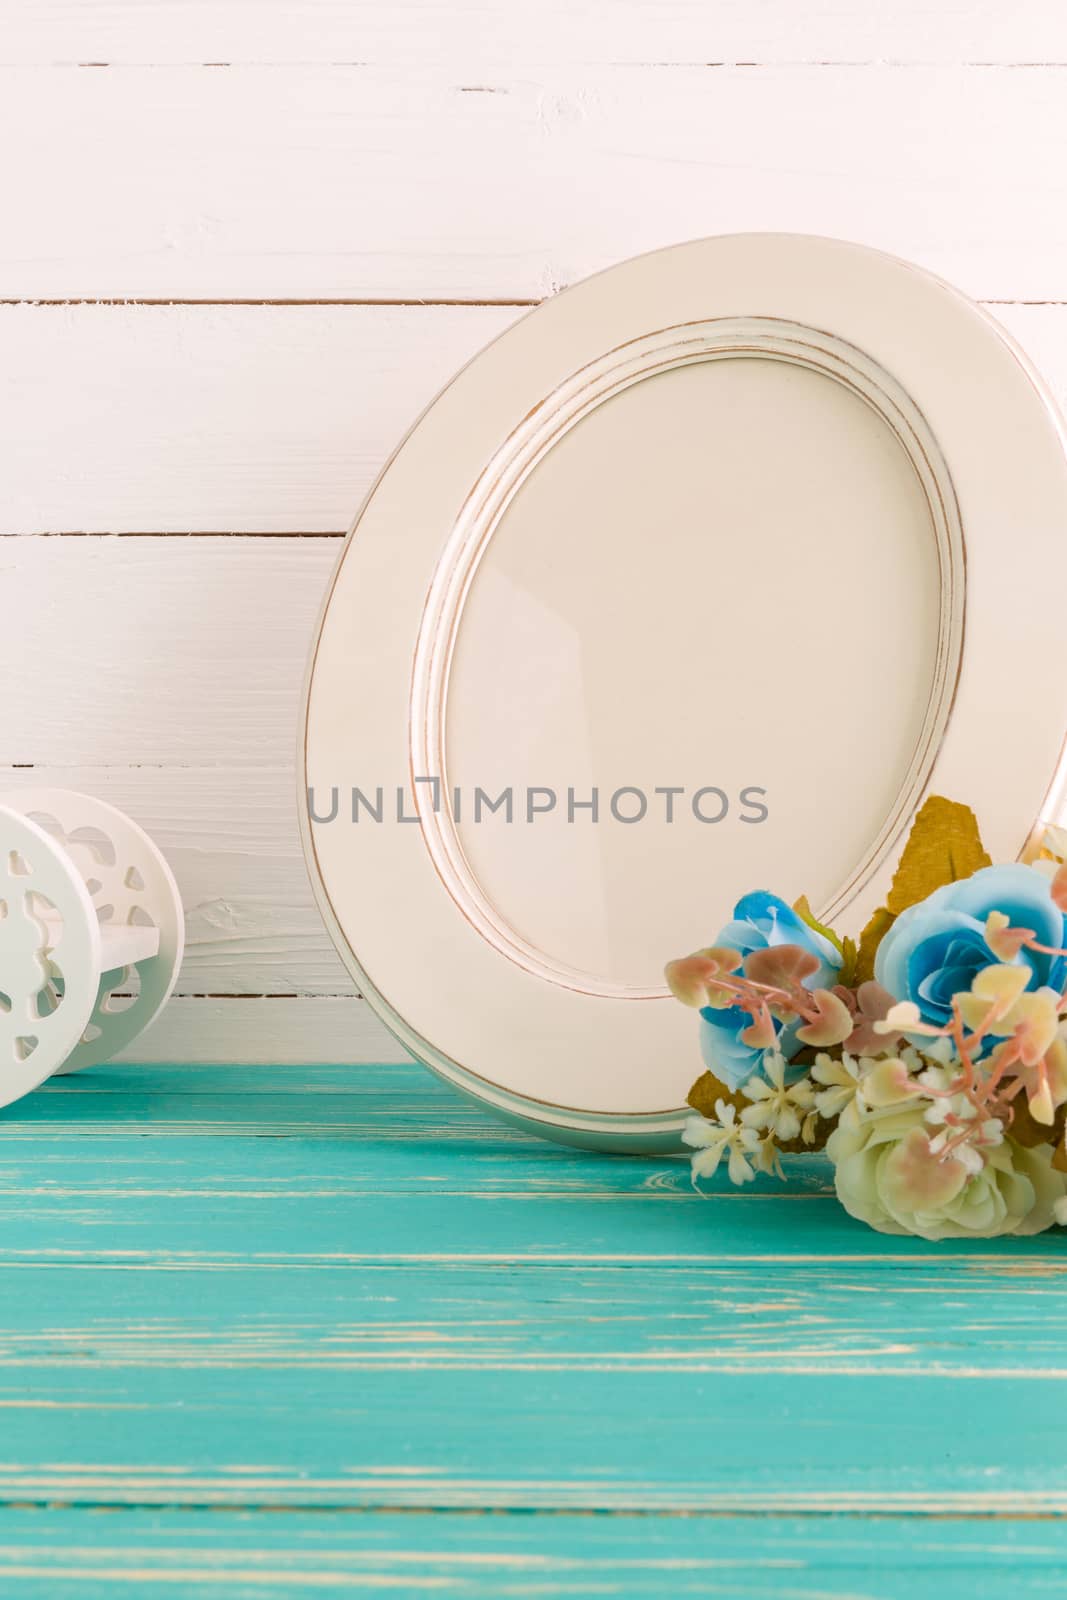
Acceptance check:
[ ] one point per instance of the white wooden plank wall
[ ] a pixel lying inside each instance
(241, 245)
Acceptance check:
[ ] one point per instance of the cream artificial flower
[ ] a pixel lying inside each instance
(713, 1140)
(779, 1108)
(891, 1174)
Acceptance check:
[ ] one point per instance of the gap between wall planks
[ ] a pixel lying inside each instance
(215, 418)
(368, 182)
(245, 419)
(478, 34)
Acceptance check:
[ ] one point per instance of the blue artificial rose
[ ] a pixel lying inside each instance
(727, 1056)
(760, 920)
(934, 949)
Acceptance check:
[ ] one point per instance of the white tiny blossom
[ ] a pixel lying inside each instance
(968, 1157)
(725, 1137)
(972, 1159)
(949, 1108)
(938, 1080)
(778, 1107)
(942, 1051)
(980, 1136)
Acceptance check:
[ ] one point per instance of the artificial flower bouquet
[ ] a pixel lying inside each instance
(929, 1060)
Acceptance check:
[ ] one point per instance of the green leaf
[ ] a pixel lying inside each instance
(870, 939)
(849, 958)
(944, 846)
(707, 1089)
(806, 914)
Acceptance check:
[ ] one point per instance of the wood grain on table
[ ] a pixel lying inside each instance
(331, 1328)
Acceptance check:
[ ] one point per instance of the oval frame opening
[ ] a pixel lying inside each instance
(764, 338)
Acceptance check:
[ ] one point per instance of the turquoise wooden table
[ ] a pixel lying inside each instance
(331, 1330)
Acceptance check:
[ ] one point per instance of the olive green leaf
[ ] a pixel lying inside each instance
(707, 1089)
(870, 939)
(849, 958)
(944, 845)
(803, 910)
(1026, 1130)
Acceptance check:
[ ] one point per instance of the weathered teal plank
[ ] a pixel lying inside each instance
(469, 1315)
(394, 1100)
(308, 1435)
(357, 1292)
(93, 1556)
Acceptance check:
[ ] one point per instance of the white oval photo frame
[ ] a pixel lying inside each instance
(577, 1054)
